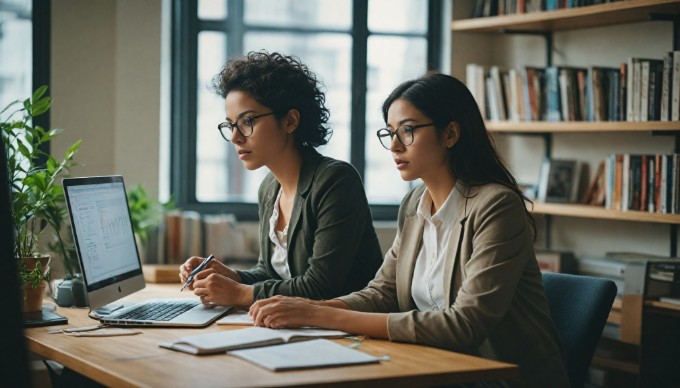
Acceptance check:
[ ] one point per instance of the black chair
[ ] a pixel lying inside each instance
(579, 306)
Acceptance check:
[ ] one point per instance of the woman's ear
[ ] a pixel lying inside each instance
(451, 134)
(292, 120)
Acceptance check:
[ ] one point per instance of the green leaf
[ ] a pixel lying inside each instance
(39, 92)
(41, 106)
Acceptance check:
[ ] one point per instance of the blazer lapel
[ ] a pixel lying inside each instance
(411, 240)
(310, 161)
(265, 243)
(460, 199)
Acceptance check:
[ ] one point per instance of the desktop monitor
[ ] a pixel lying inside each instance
(104, 238)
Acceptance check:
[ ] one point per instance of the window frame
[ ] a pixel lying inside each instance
(185, 30)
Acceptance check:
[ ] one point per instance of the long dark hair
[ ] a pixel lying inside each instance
(473, 159)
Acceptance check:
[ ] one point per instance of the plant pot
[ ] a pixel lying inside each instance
(33, 297)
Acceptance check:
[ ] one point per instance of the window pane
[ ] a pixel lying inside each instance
(299, 13)
(212, 9)
(329, 57)
(397, 16)
(212, 152)
(407, 58)
(16, 59)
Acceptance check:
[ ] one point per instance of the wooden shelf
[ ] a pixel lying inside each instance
(583, 126)
(662, 305)
(619, 12)
(586, 211)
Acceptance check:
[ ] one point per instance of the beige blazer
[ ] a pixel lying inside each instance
(497, 306)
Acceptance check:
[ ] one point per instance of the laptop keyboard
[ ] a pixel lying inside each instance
(158, 311)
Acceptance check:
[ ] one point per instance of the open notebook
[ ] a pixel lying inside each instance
(225, 340)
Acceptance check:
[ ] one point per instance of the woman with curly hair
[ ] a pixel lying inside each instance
(316, 233)
(462, 273)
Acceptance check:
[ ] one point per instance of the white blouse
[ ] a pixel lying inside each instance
(279, 241)
(427, 287)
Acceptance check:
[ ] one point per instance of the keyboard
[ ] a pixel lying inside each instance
(158, 311)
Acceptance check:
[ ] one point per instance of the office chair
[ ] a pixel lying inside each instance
(579, 306)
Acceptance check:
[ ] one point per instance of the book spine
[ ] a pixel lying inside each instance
(665, 86)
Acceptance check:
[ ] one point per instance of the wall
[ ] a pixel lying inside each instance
(603, 46)
(105, 85)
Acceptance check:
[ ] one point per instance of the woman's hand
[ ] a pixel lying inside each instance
(280, 312)
(193, 262)
(215, 288)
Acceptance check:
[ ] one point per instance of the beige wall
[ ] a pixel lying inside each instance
(105, 85)
(603, 46)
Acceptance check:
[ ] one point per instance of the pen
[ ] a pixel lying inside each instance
(197, 270)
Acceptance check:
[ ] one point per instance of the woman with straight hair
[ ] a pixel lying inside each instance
(462, 272)
(316, 232)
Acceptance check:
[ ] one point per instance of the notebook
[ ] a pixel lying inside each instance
(109, 261)
(317, 353)
(226, 340)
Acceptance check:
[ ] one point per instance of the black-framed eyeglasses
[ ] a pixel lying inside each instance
(243, 125)
(404, 135)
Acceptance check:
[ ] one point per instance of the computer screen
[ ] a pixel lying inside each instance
(105, 241)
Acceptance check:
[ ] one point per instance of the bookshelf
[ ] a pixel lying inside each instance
(568, 19)
(583, 126)
(585, 211)
(503, 35)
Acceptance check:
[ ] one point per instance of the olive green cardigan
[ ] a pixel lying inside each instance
(332, 246)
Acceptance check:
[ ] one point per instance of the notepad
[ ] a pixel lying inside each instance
(225, 340)
(317, 353)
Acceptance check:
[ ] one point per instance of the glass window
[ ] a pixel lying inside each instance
(16, 57)
(212, 9)
(322, 35)
(328, 14)
(397, 16)
(382, 180)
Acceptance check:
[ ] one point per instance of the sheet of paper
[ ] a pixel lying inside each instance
(237, 317)
(318, 353)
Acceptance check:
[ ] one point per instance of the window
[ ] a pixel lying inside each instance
(360, 50)
(24, 52)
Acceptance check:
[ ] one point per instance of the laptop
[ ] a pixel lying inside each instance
(107, 251)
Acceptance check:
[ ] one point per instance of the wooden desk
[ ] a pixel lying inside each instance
(138, 361)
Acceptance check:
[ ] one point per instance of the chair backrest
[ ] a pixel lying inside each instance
(579, 306)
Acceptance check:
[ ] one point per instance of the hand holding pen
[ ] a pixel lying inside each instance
(197, 270)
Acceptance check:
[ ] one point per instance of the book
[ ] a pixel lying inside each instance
(318, 353)
(227, 340)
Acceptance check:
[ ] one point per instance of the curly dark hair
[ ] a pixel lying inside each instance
(281, 83)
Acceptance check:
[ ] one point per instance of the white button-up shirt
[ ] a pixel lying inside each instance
(428, 277)
(279, 241)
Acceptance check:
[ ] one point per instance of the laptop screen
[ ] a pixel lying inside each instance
(103, 233)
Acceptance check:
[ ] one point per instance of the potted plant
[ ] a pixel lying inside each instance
(146, 214)
(37, 199)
